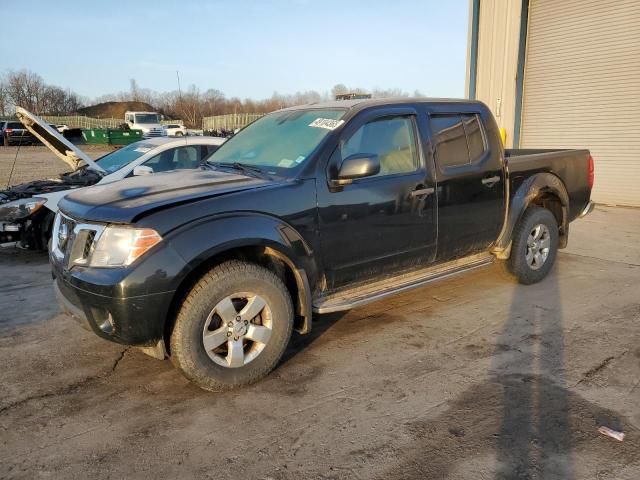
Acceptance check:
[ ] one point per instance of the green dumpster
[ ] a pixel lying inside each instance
(124, 137)
(96, 136)
(111, 136)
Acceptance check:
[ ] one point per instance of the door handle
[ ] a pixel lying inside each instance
(491, 181)
(421, 192)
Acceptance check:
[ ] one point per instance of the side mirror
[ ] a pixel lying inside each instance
(359, 165)
(142, 170)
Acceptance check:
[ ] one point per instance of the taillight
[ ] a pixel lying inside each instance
(8, 130)
(591, 172)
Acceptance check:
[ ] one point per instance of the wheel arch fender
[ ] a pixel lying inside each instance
(205, 242)
(543, 189)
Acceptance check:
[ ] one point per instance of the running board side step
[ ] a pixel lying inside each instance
(363, 294)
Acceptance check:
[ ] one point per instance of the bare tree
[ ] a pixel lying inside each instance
(28, 90)
(339, 89)
(4, 98)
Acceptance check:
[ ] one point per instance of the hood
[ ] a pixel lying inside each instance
(127, 200)
(60, 146)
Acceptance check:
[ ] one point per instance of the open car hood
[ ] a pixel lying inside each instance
(60, 146)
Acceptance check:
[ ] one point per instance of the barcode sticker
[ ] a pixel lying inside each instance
(328, 123)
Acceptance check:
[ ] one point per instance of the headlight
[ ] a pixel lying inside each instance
(19, 209)
(121, 246)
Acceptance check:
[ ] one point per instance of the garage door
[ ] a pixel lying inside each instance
(582, 88)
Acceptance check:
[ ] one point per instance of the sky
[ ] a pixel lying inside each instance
(245, 48)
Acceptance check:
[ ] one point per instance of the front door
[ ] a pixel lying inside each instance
(385, 223)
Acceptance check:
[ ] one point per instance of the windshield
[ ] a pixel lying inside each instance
(118, 159)
(280, 141)
(147, 118)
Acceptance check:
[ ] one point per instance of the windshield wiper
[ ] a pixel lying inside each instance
(243, 167)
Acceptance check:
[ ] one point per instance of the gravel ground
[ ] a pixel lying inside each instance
(37, 163)
(474, 377)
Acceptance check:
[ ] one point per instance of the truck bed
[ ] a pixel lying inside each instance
(571, 166)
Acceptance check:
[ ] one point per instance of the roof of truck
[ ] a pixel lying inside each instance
(358, 104)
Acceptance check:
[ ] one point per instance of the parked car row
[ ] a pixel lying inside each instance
(27, 210)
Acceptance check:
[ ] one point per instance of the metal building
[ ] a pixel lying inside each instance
(564, 74)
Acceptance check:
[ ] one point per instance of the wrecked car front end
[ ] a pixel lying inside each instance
(24, 217)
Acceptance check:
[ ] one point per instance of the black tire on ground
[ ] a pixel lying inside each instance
(517, 264)
(179, 134)
(188, 353)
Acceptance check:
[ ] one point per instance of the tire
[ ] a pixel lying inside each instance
(534, 246)
(179, 134)
(232, 289)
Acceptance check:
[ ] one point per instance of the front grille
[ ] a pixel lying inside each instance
(155, 132)
(88, 244)
(73, 242)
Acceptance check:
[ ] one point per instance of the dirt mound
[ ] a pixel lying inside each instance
(115, 109)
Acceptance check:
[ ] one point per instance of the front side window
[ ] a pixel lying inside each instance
(279, 142)
(181, 158)
(392, 139)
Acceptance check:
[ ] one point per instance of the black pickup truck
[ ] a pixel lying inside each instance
(311, 209)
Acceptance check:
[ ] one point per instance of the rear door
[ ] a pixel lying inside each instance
(470, 181)
(385, 223)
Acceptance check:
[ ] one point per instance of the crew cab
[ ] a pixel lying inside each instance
(310, 209)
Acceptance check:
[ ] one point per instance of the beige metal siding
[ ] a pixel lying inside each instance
(498, 37)
(582, 88)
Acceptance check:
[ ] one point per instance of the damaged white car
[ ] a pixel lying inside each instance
(27, 210)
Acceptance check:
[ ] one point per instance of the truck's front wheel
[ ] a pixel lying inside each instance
(233, 327)
(535, 245)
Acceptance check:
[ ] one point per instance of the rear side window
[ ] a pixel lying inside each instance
(458, 139)
(15, 125)
(450, 140)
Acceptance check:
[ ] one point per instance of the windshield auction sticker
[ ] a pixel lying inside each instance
(327, 123)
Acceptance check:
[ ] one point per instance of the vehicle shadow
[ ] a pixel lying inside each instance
(300, 343)
(521, 420)
(534, 439)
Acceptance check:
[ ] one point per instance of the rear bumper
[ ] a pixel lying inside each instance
(587, 210)
(19, 140)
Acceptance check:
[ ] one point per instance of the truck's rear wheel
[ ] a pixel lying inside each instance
(534, 247)
(233, 327)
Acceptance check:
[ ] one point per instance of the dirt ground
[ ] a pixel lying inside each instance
(36, 163)
(474, 377)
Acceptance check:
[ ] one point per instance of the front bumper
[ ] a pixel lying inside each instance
(108, 301)
(11, 231)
